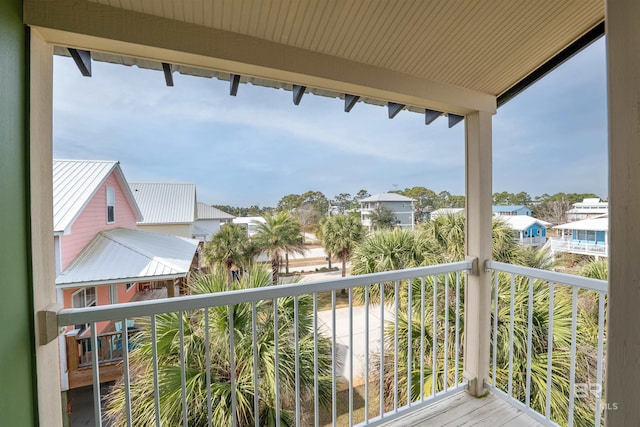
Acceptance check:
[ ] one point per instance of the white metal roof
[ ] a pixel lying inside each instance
(447, 211)
(165, 203)
(386, 197)
(593, 224)
(209, 212)
(74, 184)
(522, 222)
(122, 255)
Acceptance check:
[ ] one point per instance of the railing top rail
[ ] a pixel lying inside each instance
(193, 302)
(551, 276)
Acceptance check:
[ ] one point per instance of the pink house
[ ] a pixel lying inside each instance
(101, 257)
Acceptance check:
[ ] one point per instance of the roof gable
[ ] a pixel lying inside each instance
(75, 182)
(165, 203)
(209, 212)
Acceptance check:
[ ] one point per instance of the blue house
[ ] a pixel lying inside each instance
(512, 210)
(587, 237)
(529, 231)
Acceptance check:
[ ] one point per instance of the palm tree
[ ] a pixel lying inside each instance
(229, 247)
(442, 241)
(279, 235)
(195, 348)
(340, 234)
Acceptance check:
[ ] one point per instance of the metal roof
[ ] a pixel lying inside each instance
(508, 208)
(522, 222)
(209, 212)
(165, 203)
(592, 224)
(122, 255)
(387, 197)
(74, 184)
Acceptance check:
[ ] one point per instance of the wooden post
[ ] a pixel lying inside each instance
(622, 389)
(478, 246)
(171, 288)
(72, 353)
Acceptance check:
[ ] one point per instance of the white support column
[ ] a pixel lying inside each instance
(478, 245)
(42, 241)
(622, 390)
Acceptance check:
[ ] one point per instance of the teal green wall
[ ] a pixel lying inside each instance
(17, 367)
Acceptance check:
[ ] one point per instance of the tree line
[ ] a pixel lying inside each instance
(310, 207)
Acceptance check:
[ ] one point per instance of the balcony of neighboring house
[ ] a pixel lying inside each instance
(579, 247)
(309, 363)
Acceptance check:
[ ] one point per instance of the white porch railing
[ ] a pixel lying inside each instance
(532, 240)
(435, 339)
(577, 247)
(548, 339)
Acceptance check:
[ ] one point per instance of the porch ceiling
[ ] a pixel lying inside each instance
(471, 48)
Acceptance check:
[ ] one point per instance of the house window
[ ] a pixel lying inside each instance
(129, 286)
(587, 235)
(111, 205)
(85, 297)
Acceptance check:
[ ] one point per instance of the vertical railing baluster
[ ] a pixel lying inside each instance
(125, 371)
(434, 338)
(366, 354)
(297, 358)
(529, 343)
(334, 398)
(409, 340)
(495, 326)
(572, 363)
(550, 351)
(446, 332)
(601, 314)
(154, 356)
(232, 364)
(97, 406)
(422, 326)
(316, 399)
(381, 350)
(396, 287)
(350, 358)
(457, 338)
(183, 374)
(276, 336)
(207, 354)
(256, 391)
(511, 325)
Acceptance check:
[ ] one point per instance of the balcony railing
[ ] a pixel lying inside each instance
(394, 348)
(365, 347)
(548, 341)
(578, 247)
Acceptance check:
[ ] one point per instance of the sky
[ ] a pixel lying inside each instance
(257, 147)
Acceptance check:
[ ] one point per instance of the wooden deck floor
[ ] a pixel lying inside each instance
(463, 409)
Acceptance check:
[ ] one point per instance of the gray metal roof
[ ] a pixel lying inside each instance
(209, 212)
(387, 197)
(74, 184)
(165, 203)
(122, 255)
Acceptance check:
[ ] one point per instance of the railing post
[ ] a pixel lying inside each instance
(478, 245)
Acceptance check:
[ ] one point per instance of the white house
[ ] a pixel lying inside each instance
(401, 206)
(208, 221)
(250, 223)
(446, 211)
(588, 208)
